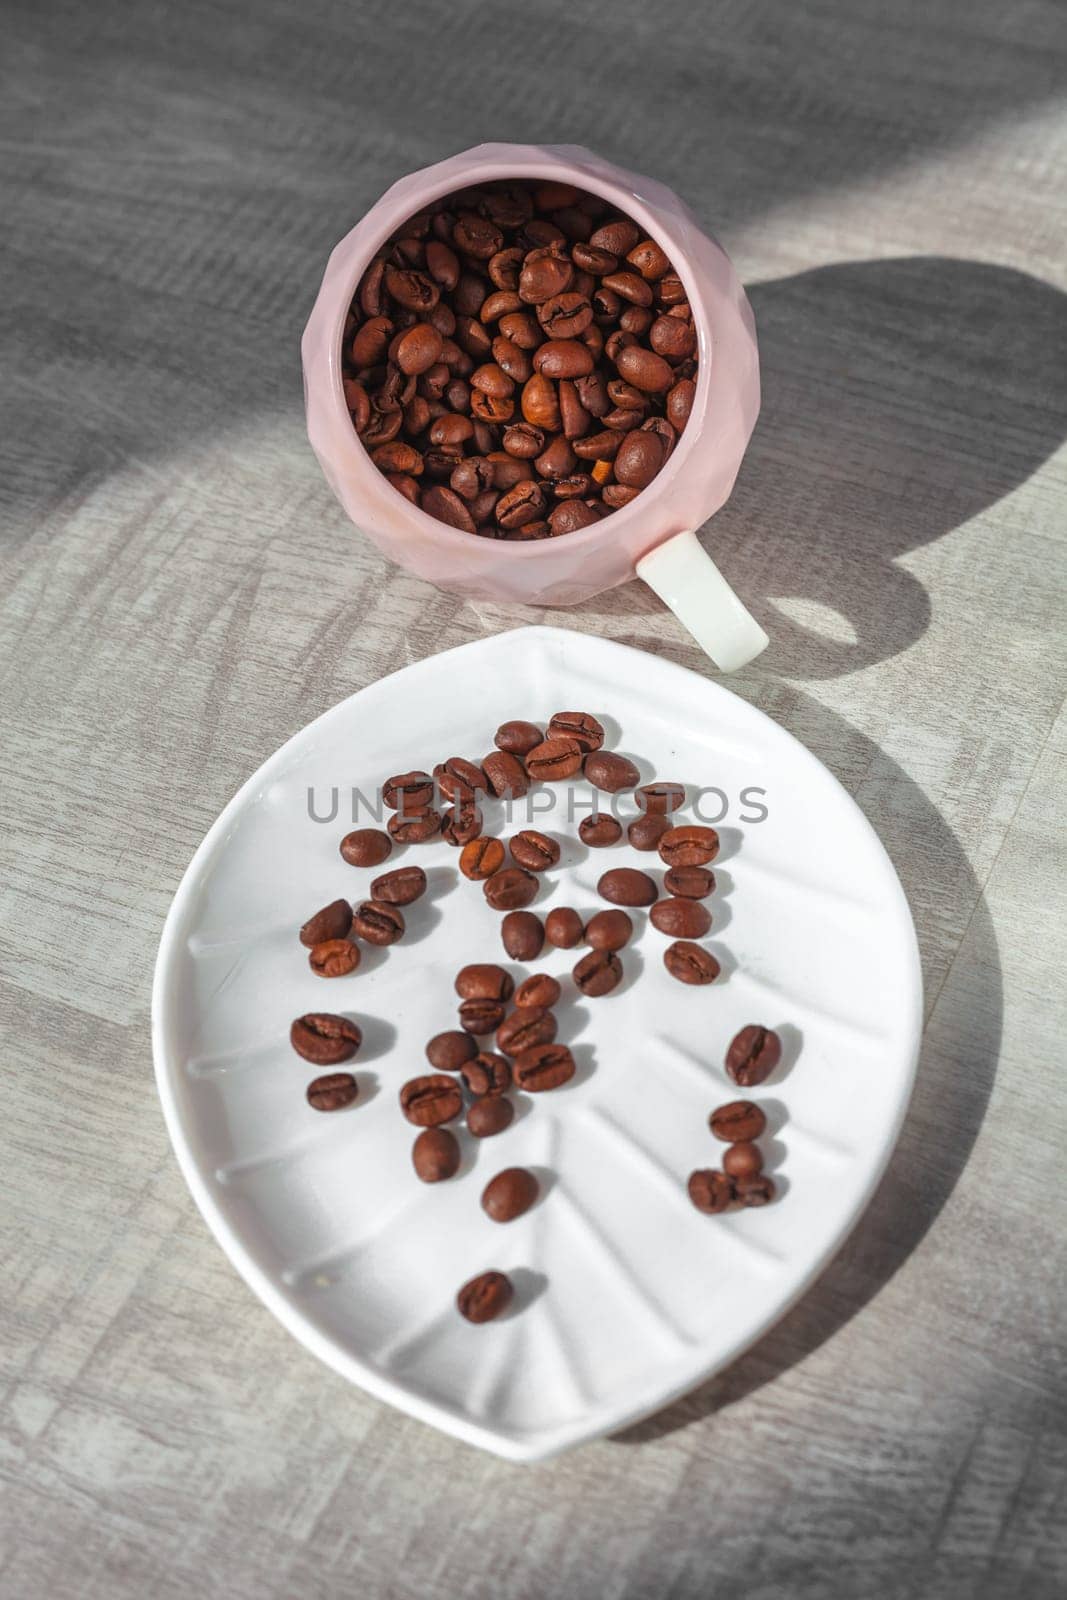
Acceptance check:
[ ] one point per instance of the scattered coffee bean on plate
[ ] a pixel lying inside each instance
(539, 990)
(742, 1160)
(518, 738)
(366, 847)
(526, 1026)
(461, 823)
(485, 1296)
(710, 1191)
(447, 1052)
(610, 772)
(544, 1066)
(335, 958)
(505, 775)
(534, 851)
(484, 980)
(408, 791)
(563, 928)
(431, 1100)
(626, 886)
(332, 922)
(753, 1055)
(658, 799)
(578, 725)
(646, 831)
(609, 930)
(416, 827)
(400, 887)
(435, 1155)
(689, 846)
(481, 858)
(600, 828)
(486, 1075)
(509, 1194)
(377, 923)
(554, 760)
(324, 1039)
(523, 935)
(680, 919)
(598, 973)
(489, 1115)
(510, 889)
(690, 963)
(333, 1092)
(689, 883)
(481, 1016)
(737, 1122)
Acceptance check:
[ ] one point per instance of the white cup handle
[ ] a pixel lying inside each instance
(684, 575)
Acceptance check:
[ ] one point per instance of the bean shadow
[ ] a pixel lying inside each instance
(379, 1036)
(527, 1286)
(955, 1076)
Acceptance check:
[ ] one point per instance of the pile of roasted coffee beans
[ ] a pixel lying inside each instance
(519, 360)
(468, 1080)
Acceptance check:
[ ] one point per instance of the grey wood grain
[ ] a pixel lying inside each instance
(180, 593)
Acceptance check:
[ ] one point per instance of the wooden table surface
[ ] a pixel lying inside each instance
(180, 593)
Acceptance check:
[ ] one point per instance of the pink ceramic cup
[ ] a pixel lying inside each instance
(653, 538)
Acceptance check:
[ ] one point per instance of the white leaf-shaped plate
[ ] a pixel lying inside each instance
(627, 1296)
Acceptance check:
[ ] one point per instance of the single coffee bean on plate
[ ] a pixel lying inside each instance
(579, 725)
(525, 1027)
(563, 928)
(486, 1074)
(431, 1099)
(481, 1016)
(554, 760)
(610, 772)
(539, 989)
(332, 1092)
(460, 823)
(689, 883)
(646, 831)
(489, 1115)
(522, 934)
(324, 1039)
(518, 738)
(542, 1067)
(742, 1160)
(435, 1155)
(416, 827)
(510, 889)
(401, 887)
(680, 919)
(690, 963)
(753, 1055)
(334, 958)
(366, 847)
(599, 829)
(689, 846)
(659, 799)
(609, 930)
(484, 980)
(626, 886)
(710, 1191)
(447, 1052)
(755, 1190)
(332, 922)
(481, 858)
(485, 1296)
(459, 779)
(598, 973)
(505, 775)
(737, 1122)
(377, 923)
(509, 1194)
(534, 851)
(409, 791)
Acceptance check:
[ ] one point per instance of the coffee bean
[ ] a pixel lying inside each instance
(435, 1155)
(680, 919)
(563, 928)
(447, 1052)
(526, 1026)
(534, 851)
(410, 791)
(753, 1055)
(554, 759)
(518, 738)
(756, 1190)
(690, 963)
(461, 823)
(646, 831)
(400, 887)
(377, 923)
(609, 930)
(505, 774)
(481, 858)
(691, 883)
(538, 990)
(366, 847)
(522, 934)
(324, 1039)
(332, 1092)
(737, 1122)
(610, 772)
(485, 1296)
(484, 980)
(710, 1191)
(509, 1194)
(486, 1074)
(416, 828)
(332, 922)
(599, 829)
(431, 1100)
(577, 725)
(490, 1115)
(626, 886)
(638, 459)
(689, 846)
(743, 1160)
(542, 1067)
(510, 889)
(334, 958)
(598, 973)
(481, 1016)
